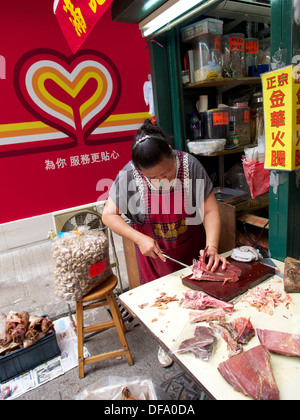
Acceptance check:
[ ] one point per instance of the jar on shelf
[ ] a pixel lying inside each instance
(251, 54)
(264, 56)
(233, 55)
(257, 126)
(207, 57)
(215, 124)
(240, 122)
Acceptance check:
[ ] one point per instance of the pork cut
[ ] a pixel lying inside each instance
(194, 299)
(207, 315)
(280, 342)
(200, 272)
(233, 346)
(243, 330)
(251, 373)
(201, 345)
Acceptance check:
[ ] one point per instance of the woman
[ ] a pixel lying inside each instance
(165, 193)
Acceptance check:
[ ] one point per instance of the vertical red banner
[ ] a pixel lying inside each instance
(78, 17)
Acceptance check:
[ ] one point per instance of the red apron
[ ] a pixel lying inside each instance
(166, 223)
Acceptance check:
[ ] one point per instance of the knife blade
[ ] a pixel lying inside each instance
(267, 261)
(178, 262)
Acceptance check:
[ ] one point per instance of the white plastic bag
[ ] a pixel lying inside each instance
(110, 388)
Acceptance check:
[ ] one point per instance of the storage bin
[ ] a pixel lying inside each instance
(23, 360)
(207, 146)
(212, 26)
(205, 26)
(187, 33)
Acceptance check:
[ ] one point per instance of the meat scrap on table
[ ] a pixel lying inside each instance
(266, 300)
(162, 301)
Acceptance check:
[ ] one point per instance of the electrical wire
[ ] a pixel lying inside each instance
(254, 243)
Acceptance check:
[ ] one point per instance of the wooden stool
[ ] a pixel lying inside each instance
(103, 292)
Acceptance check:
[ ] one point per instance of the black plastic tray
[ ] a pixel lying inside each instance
(23, 360)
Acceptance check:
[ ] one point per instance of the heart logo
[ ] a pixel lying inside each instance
(73, 95)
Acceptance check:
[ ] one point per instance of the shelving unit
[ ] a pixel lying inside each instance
(220, 156)
(229, 82)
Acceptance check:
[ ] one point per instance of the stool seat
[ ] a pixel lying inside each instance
(104, 293)
(101, 290)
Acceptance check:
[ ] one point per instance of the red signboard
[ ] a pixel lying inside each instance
(77, 18)
(67, 121)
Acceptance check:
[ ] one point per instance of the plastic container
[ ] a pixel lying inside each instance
(205, 26)
(188, 33)
(23, 360)
(185, 77)
(206, 146)
(240, 123)
(257, 127)
(209, 25)
(251, 53)
(233, 55)
(264, 56)
(261, 148)
(195, 127)
(207, 57)
(215, 124)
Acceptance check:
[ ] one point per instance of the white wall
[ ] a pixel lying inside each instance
(24, 232)
(34, 229)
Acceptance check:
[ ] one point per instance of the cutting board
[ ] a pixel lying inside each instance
(253, 273)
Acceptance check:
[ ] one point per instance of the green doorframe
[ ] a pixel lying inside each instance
(167, 87)
(161, 84)
(284, 195)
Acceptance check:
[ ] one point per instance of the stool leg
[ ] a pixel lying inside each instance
(80, 338)
(115, 303)
(111, 300)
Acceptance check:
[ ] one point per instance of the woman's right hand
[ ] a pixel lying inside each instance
(149, 247)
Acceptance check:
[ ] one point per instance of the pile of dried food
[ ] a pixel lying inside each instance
(19, 331)
(80, 262)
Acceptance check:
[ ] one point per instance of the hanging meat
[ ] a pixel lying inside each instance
(200, 272)
(251, 373)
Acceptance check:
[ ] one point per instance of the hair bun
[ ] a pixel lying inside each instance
(147, 123)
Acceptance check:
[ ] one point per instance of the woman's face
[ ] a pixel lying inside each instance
(162, 174)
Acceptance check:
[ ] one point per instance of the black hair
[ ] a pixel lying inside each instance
(150, 146)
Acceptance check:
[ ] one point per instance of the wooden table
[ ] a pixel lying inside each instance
(171, 326)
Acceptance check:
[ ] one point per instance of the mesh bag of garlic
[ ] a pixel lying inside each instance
(80, 262)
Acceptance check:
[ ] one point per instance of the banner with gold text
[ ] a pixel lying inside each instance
(282, 118)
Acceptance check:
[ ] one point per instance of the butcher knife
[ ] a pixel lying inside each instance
(178, 262)
(267, 261)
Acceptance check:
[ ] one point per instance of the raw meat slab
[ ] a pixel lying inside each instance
(253, 273)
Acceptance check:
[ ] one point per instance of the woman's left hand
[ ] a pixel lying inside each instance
(214, 259)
